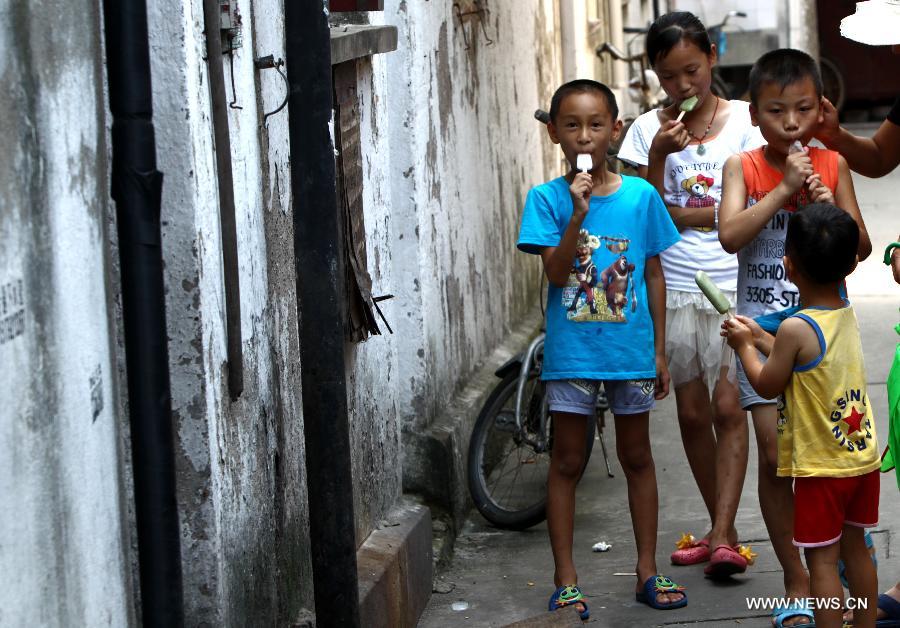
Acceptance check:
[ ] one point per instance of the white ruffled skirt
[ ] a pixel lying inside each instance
(694, 347)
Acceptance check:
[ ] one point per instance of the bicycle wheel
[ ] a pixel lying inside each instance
(507, 477)
(719, 87)
(612, 153)
(832, 83)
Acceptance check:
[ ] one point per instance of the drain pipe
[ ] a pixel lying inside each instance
(321, 307)
(137, 190)
(227, 221)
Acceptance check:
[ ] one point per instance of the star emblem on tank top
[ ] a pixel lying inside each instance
(853, 421)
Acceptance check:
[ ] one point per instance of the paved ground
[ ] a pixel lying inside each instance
(505, 577)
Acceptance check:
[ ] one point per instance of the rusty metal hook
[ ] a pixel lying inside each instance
(263, 63)
(481, 12)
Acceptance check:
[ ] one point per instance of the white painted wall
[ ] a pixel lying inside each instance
(450, 149)
(61, 531)
(241, 481)
(374, 382)
(464, 150)
(194, 294)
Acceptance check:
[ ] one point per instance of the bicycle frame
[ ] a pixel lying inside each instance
(643, 84)
(540, 445)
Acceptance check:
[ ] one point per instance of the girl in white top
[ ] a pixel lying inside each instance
(683, 160)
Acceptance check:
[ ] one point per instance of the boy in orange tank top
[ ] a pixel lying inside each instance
(760, 191)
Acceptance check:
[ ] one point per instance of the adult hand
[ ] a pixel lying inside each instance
(829, 126)
(672, 137)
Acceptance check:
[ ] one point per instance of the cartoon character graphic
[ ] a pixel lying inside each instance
(595, 296)
(698, 189)
(615, 281)
(584, 270)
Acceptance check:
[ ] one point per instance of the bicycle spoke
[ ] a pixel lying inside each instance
(530, 459)
(513, 483)
(501, 466)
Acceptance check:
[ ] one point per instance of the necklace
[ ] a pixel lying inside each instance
(701, 149)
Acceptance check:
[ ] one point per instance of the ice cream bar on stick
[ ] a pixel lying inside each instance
(584, 162)
(712, 292)
(687, 105)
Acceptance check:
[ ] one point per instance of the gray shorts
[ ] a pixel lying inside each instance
(748, 396)
(578, 396)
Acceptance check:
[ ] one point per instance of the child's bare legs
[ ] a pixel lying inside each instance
(732, 436)
(719, 477)
(633, 450)
(776, 501)
(566, 463)
(695, 421)
(861, 574)
(824, 583)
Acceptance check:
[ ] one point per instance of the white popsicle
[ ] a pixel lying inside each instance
(584, 162)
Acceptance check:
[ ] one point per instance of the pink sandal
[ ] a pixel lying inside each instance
(690, 551)
(726, 561)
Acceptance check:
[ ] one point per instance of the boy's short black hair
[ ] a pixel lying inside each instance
(821, 241)
(580, 86)
(783, 67)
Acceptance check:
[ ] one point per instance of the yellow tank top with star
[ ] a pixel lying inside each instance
(826, 426)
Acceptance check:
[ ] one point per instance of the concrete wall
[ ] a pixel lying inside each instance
(62, 547)
(464, 149)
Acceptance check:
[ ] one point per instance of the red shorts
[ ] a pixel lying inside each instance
(823, 506)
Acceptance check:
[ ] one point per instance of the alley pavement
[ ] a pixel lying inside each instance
(500, 577)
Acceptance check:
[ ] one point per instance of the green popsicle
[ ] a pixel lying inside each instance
(687, 105)
(712, 292)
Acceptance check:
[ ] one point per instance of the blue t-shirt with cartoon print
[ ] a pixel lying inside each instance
(599, 325)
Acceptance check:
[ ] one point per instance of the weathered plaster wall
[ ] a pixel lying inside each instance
(62, 547)
(194, 294)
(464, 150)
(373, 381)
(289, 509)
(240, 463)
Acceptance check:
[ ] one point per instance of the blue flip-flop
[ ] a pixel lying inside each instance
(653, 586)
(567, 595)
(793, 610)
(890, 606)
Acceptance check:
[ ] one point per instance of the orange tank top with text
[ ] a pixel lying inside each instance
(761, 177)
(763, 285)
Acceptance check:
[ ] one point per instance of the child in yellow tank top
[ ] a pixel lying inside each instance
(826, 430)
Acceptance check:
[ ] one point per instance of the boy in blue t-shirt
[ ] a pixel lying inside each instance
(599, 236)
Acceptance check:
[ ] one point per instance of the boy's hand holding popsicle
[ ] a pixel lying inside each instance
(739, 330)
(797, 168)
(798, 156)
(582, 185)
